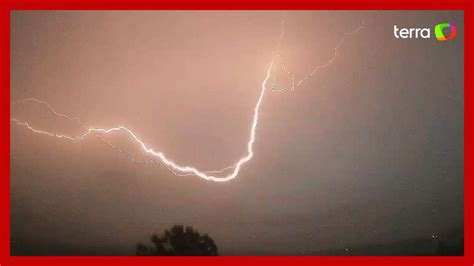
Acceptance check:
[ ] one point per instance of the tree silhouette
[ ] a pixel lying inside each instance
(179, 241)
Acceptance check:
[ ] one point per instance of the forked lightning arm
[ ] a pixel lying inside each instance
(231, 171)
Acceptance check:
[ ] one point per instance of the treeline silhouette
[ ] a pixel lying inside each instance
(179, 241)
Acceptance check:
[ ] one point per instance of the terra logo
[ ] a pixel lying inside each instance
(425, 33)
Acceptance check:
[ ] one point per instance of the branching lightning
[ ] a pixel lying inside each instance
(295, 84)
(81, 124)
(223, 175)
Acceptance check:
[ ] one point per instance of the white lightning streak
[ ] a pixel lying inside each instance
(169, 163)
(175, 168)
(81, 124)
(317, 68)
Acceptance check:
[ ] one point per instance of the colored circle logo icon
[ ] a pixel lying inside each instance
(440, 36)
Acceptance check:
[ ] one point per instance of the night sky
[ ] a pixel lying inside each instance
(369, 151)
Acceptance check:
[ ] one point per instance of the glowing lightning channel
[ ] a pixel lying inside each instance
(160, 155)
(170, 164)
(81, 124)
(295, 84)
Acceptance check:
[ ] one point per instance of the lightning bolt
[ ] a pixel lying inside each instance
(226, 174)
(295, 84)
(99, 137)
